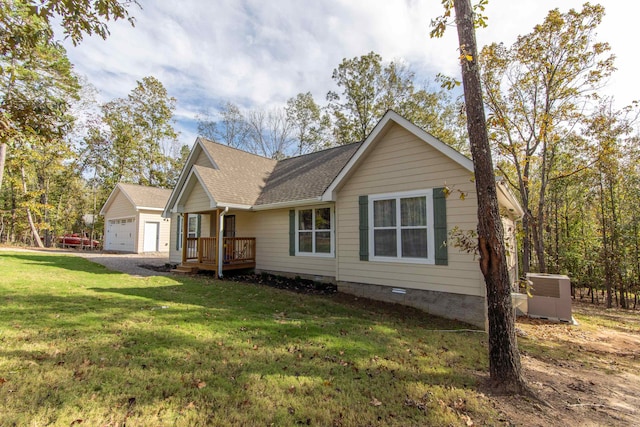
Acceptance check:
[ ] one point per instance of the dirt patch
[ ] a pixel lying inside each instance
(589, 373)
(298, 285)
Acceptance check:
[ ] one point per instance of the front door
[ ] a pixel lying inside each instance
(229, 226)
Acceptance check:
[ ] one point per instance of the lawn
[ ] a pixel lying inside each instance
(80, 344)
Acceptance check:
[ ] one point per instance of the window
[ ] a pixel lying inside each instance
(314, 231)
(401, 227)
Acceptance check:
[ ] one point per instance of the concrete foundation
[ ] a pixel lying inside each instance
(465, 308)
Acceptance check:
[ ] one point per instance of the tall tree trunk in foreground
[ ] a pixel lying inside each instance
(504, 358)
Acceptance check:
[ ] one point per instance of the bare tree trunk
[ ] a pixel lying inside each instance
(504, 358)
(32, 226)
(3, 160)
(605, 246)
(538, 242)
(526, 244)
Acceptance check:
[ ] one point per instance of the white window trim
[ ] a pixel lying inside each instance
(195, 232)
(331, 231)
(179, 224)
(180, 221)
(428, 194)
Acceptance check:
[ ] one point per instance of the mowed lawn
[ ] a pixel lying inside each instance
(83, 345)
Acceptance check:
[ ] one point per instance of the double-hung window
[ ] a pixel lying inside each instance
(314, 231)
(401, 227)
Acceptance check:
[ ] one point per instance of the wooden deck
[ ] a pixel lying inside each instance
(201, 253)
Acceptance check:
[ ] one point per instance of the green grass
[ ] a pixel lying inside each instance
(82, 344)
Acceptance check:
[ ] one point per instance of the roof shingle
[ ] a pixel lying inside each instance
(248, 179)
(305, 177)
(147, 197)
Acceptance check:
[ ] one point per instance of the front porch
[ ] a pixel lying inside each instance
(201, 253)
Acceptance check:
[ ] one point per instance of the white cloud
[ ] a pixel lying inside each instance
(258, 53)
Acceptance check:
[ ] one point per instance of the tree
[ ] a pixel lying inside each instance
(25, 28)
(504, 358)
(370, 88)
(440, 115)
(232, 128)
(608, 128)
(536, 92)
(37, 87)
(136, 141)
(310, 125)
(80, 17)
(269, 133)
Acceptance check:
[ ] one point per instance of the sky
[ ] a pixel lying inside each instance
(258, 54)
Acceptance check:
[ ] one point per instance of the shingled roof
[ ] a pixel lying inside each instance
(146, 197)
(140, 196)
(236, 177)
(305, 177)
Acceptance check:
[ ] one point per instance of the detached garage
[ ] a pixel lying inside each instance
(133, 219)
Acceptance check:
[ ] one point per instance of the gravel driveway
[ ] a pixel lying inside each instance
(126, 263)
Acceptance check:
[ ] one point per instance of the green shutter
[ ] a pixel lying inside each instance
(178, 228)
(440, 225)
(198, 226)
(364, 228)
(292, 232)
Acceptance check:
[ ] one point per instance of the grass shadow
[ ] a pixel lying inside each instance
(56, 262)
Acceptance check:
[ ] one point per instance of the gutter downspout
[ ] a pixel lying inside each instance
(221, 242)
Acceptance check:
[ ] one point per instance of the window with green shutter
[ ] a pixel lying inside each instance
(404, 227)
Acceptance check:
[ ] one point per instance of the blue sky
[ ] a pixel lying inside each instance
(258, 54)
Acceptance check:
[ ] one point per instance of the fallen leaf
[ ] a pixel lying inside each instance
(467, 420)
(2, 381)
(78, 421)
(375, 402)
(200, 384)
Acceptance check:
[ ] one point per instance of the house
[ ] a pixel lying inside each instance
(373, 217)
(133, 219)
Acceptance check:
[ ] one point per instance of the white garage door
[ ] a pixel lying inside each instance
(120, 235)
(151, 236)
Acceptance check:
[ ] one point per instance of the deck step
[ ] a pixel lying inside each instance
(185, 269)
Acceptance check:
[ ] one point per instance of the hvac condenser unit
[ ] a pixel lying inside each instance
(551, 296)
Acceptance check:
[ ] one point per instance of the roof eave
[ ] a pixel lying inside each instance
(515, 208)
(288, 204)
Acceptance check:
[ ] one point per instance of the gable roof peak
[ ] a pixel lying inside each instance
(205, 140)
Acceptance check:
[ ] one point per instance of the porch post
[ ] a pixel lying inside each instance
(185, 229)
(215, 234)
(221, 255)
